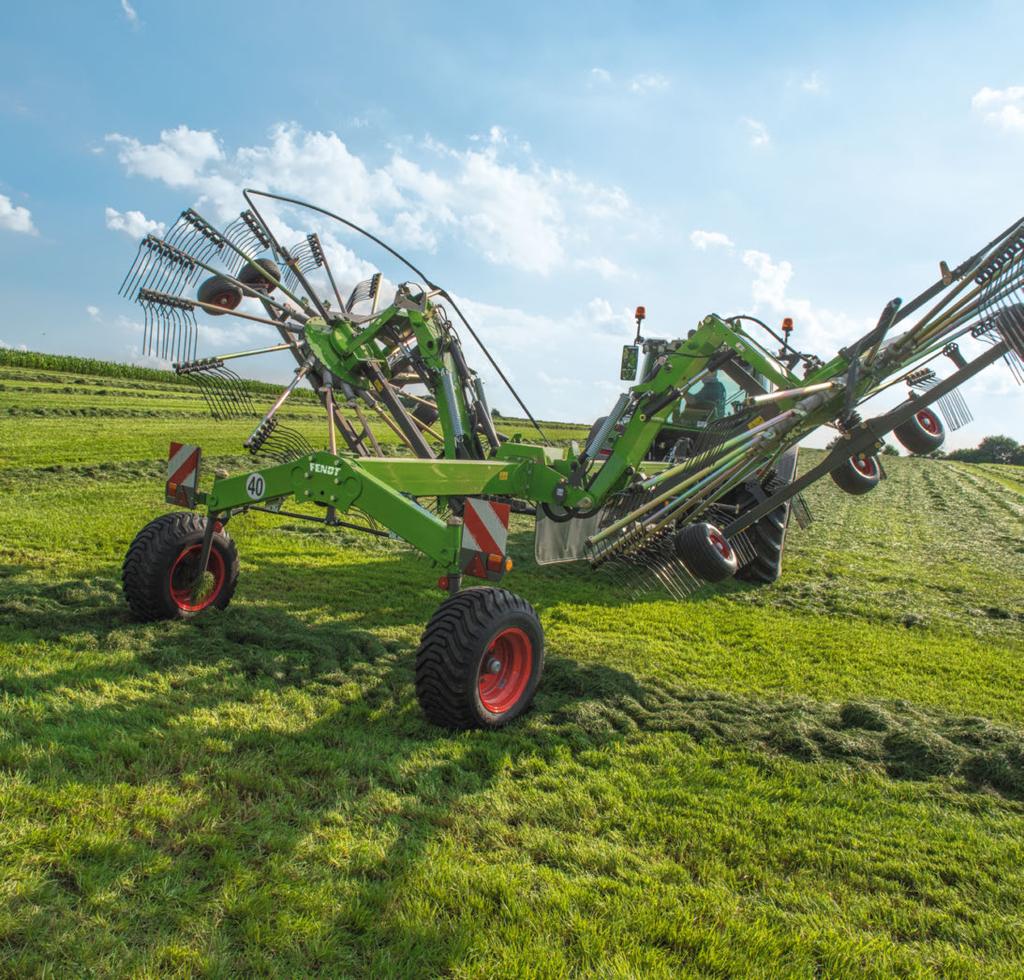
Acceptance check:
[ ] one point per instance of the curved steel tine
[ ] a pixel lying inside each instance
(156, 331)
(143, 259)
(182, 339)
(159, 330)
(214, 400)
(146, 328)
(171, 336)
(127, 283)
(170, 316)
(178, 230)
(194, 332)
(165, 330)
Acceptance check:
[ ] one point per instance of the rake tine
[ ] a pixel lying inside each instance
(189, 334)
(178, 230)
(147, 330)
(218, 395)
(245, 235)
(320, 258)
(224, 392)
(171, 335)
(177, 335)
(144, 257)
(211, 394)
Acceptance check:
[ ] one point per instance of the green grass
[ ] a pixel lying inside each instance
(821, 777)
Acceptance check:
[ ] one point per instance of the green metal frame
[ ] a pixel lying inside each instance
(384, 488)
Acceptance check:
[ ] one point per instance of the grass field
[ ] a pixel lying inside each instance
(820, 777)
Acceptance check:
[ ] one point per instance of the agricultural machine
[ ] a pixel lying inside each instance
(691, 477)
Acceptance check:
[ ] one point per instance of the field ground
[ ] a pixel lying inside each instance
(821, 777)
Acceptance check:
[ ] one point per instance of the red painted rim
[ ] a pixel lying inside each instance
(505, 670)
(929, 422)
(865, 466)
(183, 572)
(721, 545)
(229, 299)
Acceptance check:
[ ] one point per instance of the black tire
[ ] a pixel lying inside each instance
(858, 474)
(255, 279)
(921, 434)
(472, 631)
(160, 566)
(219, 291)
(705, 552)
(768, 535)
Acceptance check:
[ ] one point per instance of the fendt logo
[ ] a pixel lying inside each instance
(324, 468)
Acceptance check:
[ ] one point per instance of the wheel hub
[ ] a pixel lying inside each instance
(505, 671)
(189, 594)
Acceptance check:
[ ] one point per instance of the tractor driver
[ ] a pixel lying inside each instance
(711, 395)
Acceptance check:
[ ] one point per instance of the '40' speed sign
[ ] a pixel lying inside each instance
(254, 486)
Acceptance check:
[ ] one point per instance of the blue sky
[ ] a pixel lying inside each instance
(552, 165)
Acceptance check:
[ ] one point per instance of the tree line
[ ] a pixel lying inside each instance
(992, 449)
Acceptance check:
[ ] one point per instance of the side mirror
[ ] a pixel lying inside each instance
(630, 362)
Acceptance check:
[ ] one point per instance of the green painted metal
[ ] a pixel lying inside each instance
(382, 487)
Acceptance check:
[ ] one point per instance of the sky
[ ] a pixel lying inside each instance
(552, 165)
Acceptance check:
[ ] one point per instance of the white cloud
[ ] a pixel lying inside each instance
(600, 76)
(594, 333)
(643, 84)
(821, 329)
(178, 159)
(757, 131)
(710, 239)
(15, 218)
(1001, 107)
(130, 13)
(133, 223)
(6, 346)
(493, 195)
(93, 311)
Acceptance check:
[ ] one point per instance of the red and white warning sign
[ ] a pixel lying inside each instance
(484, 538)
(182, 474)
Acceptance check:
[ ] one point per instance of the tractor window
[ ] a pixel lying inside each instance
(734, 394)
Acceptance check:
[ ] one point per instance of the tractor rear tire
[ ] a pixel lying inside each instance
(705, 552)
(922, 433)
(858, 475)
(480, 659)
(768, 535)
(159, 569)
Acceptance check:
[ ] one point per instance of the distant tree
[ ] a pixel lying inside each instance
(495, 414)
(992, 449)
(890, 450)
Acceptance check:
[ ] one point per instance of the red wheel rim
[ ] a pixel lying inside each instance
(928, 421)
(183, 573)
(228, 300)
(865, 466)
(505, 670)
(721, 545)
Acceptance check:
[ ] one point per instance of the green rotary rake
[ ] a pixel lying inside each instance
(691, 477)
